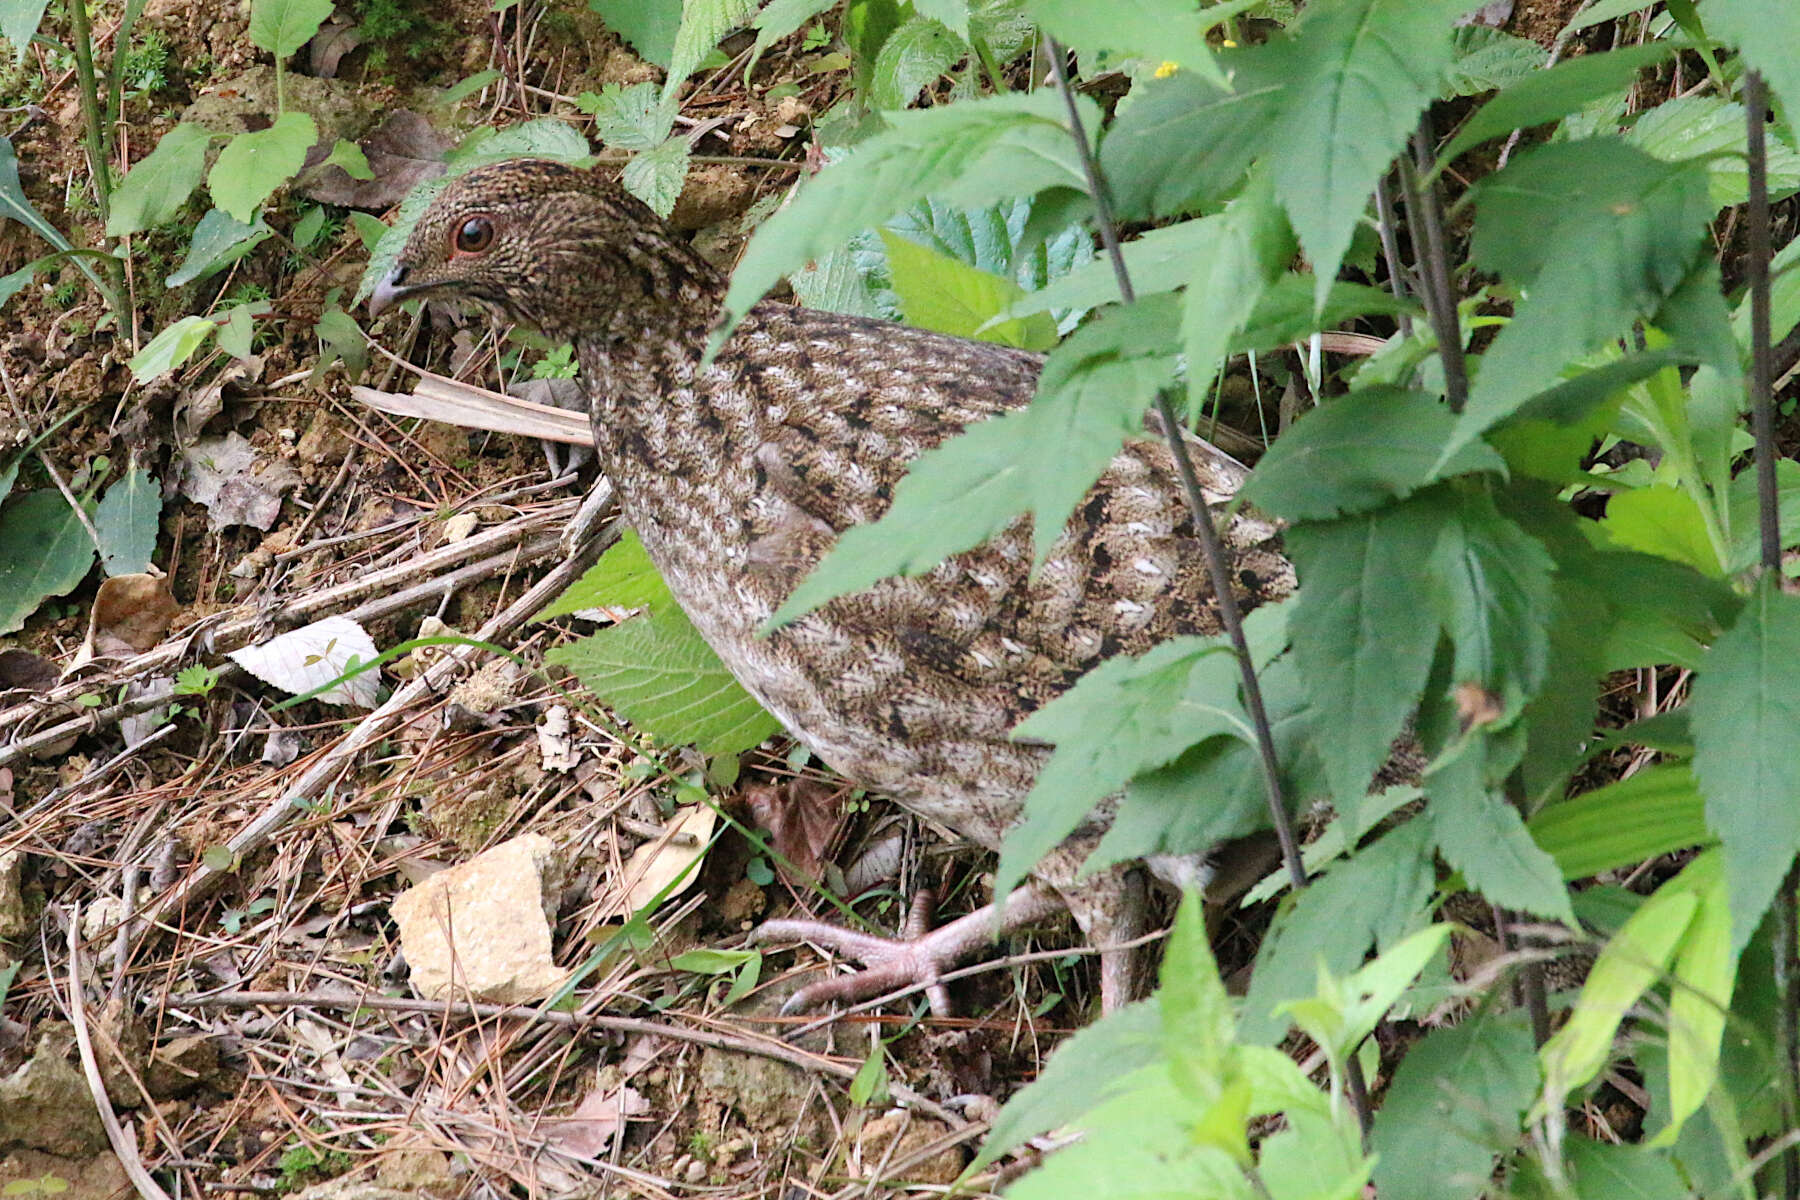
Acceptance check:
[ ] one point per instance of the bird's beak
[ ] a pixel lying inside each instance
(391, 290)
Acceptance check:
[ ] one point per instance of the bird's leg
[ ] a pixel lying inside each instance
(919, 956)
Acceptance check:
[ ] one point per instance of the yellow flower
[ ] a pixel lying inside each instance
(1166, 69)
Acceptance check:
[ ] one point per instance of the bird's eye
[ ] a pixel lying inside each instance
(473, 236)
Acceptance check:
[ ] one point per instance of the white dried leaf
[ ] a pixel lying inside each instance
(313, 656)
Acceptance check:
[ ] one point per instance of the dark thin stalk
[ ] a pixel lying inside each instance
(1426, 224)
(1389, 229)
(1214, 553)
(1173, 428)
(115, 92)
(1762, 421)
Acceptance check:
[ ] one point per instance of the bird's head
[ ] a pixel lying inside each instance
(549, 245)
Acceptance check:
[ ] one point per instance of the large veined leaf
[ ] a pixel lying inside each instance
(283, 26)
(155, 189)
(253, 165)
(44, 551)
(126, 520)
(1554, 92)
(1765, 33)
(940, 293)
(1171, 32)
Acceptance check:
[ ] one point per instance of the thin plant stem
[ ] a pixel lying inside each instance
(81, 35)
(1431, 257)
(1173, 431)
(1389, 230)
(1762, 422)
(115, 91)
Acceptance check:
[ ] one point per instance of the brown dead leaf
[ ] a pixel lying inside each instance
(403, 152)
(131, 614)
(23, 669)
(803, 818)
(590, 1129)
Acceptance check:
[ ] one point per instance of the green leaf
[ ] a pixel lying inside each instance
(126, 520)
(780, 18)
(656, 176)
(253, 165)
(1628, 965)
(1162, 260)
(1693, 127)
(219, 240)
(350, 157)
(1358, 75)
(1597, 233)
(704, 23)
(44, 551)
(171, 348)
(1553, 93)
(913, 56)
(659, 674)
(1665, 521)
(1361, 646)
(1373, 896)
(283, 26)
(1456, 1094)
(869, 1086)
(1125, 716)
(156, 188)
(624, 577)
(953, 14)
(1359, 452)
(1250, 246)
(1628, 1172)
(19, 21)
(1482, 836)
(1487, 59)
(649, 25)
(1765, 33)
(968, 154)
(1081, 1073)
(941, 294)
(1493, 594)
(340, 338)
(237, 332)
(545, 137)
(1155, 31)
(1746, 720)
(630, 118)
(1287, 314)
(369, 229)
(1699, 996)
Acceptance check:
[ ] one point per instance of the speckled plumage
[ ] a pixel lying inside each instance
(739, 479)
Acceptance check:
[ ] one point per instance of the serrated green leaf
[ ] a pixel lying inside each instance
(1746, 720)
(1286, 313)
(1251, 246)
(155, 189)
(126, 520)
(1126, 716)
(660, 675)
(968, 154)
(1359, 73)
(1765, 33)
(1159, 261)
(912, 57)
(1434, 1135)
(1081, 1073)
(44, 552)
(703, 24)
(1372, 896)
(283, 26)
(1359, 452)
(624, 577)
(649, 25)
(1484, 838)
(219, 240)
(1495, 600)
(941, 294)
(1696, 127)
(630, 118)
(171, 348)
(1552, 93)
(1487, 59)
(1359, 641)
(1597, 233)
(656, 176)
(253, 165)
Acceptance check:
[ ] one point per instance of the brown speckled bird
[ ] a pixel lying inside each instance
(740, 476)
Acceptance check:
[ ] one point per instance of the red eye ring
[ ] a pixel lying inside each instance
(473, 236)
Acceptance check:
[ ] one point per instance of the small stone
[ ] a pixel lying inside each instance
(482, 929)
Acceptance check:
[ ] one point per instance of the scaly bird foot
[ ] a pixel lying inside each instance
(919, 957)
